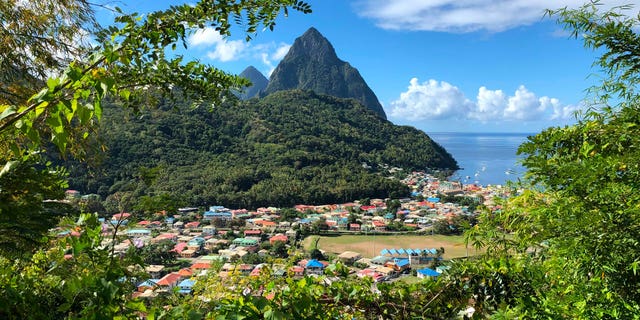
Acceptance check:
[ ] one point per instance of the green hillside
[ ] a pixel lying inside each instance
(290, 147)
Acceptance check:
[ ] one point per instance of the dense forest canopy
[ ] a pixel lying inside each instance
(288, 148)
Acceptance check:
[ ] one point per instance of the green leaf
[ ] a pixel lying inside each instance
(52, 83)
(7, 112)
(8, 167)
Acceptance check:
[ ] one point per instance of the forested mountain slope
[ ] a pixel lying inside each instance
(290, 147)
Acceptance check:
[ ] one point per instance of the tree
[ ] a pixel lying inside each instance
(131, 66)
(159, 253)
(279, 249)
(572, 235)
(25, 216)
(393, 205)
(51, 93)
(39, 37)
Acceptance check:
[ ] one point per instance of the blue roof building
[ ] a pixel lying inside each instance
(186, 286)
(426, 272)
(224, 215)
(314, 266)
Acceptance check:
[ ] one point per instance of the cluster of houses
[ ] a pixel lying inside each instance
(194, 236)
(380, 268)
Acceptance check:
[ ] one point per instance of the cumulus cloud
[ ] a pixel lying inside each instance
(433, 100)
(205, 37)
(222, 49)
(430, 100)
(227, 50)
(460, 16)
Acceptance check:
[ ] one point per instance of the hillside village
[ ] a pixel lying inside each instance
(239, 241)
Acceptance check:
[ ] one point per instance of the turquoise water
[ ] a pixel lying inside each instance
(485, 158)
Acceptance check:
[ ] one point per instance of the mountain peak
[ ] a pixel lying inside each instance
(258, 83)
(313, 44)
(312, 64)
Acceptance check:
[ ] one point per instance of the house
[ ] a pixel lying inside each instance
(375, 275)
(217, 212)
(150, 284)
(245, 242)
(185, 272)
(349, 257)
(187, 210)
(169, 281)
(192, 224)
(386, 272)
(354, 227)
(179, 247)
(388, 217)
(291, 233)
(399, 265)
(380, 260)
(213, 243)
(134, 233)
(143, 223)
(198, 267)
(278, 237)
(379, 225)
(252, 232)
(189, 253)
(196, 243)
(343, 223)
(186, 286)
(369, 209)
(427, 273)
(208, 230)
(265, 224)
(154, 270)
(245, 269)
(120, 216)
(297, 271)
(120, 219)
(314, 266)
(165, 237)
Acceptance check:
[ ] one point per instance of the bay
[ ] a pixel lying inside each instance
(485, 158)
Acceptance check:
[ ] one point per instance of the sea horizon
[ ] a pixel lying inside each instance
(485, 158)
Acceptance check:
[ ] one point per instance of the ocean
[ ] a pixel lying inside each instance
(485, 158)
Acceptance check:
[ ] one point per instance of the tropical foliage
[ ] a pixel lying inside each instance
(288, 148)
(573, 234)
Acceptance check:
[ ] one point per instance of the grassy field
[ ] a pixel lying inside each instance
(370, 245)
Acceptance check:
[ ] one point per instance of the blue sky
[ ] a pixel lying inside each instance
(438, 65)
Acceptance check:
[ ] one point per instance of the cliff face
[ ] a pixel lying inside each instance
(312, 64)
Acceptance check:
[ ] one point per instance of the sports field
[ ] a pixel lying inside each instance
(370, 245)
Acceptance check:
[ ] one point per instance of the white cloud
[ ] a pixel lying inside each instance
(524, 105)
(460, 15)
(224, 50)
(490, 104)
(429, 100)
(434, 100)
(227, 50)
(205, 37)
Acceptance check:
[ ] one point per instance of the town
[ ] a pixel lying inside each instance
(179, 248)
